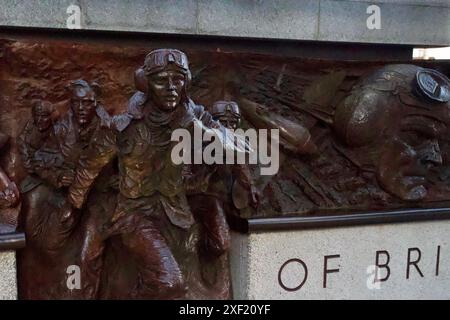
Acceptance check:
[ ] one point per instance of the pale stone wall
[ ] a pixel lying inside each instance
(8, 277)
(264, 253)
(416, 22)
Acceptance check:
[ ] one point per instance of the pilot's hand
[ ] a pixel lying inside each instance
(8, 197)
(66, 179)
(254, 197)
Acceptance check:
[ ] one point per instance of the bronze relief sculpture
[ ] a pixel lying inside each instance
(101, 191)
(402, 112)
(152, 222)
(379, 143)
(229, 189)
(9, 193)
(51, 151)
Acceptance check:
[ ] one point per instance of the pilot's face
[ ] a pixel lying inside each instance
(83, 107)
(42, 119)
(407, 160)
(228, 120)
(166, 88)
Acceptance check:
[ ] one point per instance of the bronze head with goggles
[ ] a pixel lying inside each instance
(227, 113)
(394, 121)
(167, 76)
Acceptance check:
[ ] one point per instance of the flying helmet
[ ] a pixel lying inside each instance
(81, 88)
(156, 61)
(220, 108)
(380, 102)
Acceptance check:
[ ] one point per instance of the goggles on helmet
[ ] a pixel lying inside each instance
(158, 60)
(223, 107)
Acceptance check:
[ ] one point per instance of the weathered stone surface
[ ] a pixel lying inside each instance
(239, 266)
(402, 21)
(172, 16)
(289, 19)
(46, 13)
(8, 279)
(425, 3)
(264, 253)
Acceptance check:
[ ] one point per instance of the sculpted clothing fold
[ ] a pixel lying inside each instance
(152, 218)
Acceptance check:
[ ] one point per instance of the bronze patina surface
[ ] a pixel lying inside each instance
(89, 151)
